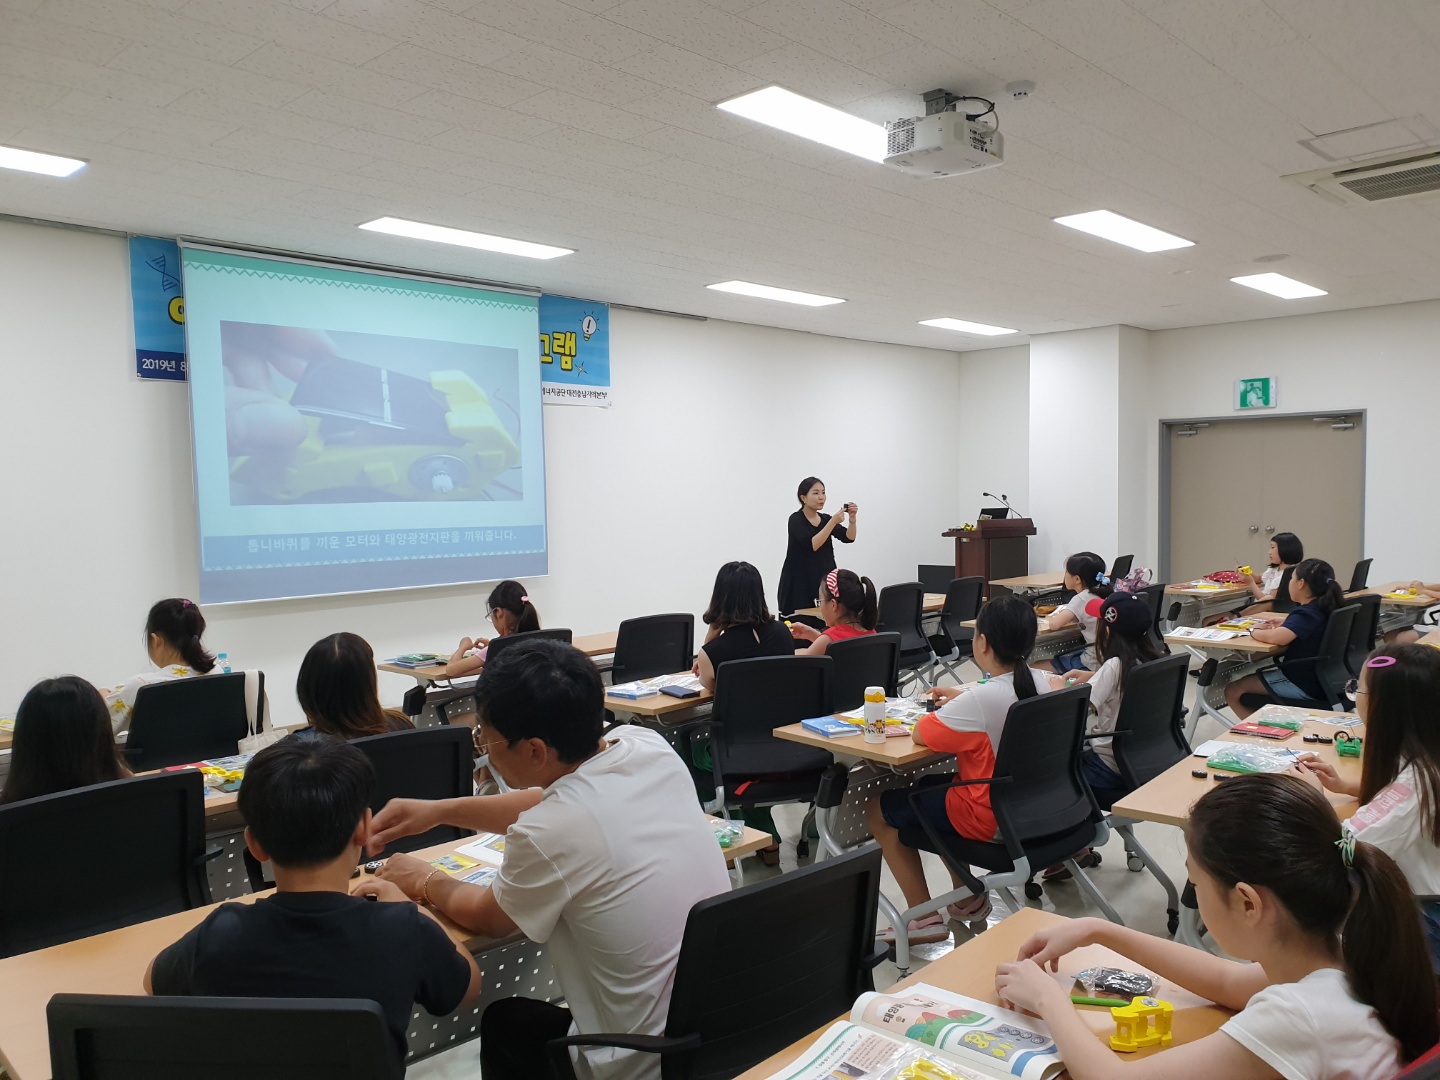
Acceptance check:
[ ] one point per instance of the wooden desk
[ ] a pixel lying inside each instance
(1032, 583)
(970, 970)
(657, 705)
(591, 645)
(7, 737)
(1419, 600)
(1432, 638)
(1198, 604)
(1242, 648)
(933, 603)
(895, 751)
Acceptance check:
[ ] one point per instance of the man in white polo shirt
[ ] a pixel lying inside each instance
(606, 851)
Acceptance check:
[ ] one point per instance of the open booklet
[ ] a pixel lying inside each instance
(888, 1034)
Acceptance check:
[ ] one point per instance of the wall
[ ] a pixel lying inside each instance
(696, 464)
(994, 420)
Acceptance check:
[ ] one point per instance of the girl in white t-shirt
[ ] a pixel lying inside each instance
(172, 639)
(1286, 550)
(1337, 988)
(1398, 697)
(1085, 577)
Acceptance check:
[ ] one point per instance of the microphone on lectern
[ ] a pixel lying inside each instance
(1004, 502)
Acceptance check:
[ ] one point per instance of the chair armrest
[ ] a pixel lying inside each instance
(1101, 735)
(881, 952)
(558, 1050)
(210, 855)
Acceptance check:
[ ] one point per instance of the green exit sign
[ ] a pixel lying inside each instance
(1255, 393)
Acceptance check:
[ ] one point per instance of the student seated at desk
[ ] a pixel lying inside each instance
(1338, 986)
(63, 740)
(1316, 595)
(1085, 577)
(339, 691)
(968, 724)
(1405, 637)
(1285, 551)
(1398, 697)
(306, 803)
(173, 630)
(848, 604)
(510, 612)
(606, 851)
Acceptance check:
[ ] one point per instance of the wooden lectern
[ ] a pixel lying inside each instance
(996, 548)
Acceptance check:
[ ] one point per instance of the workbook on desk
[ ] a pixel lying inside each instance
(971, 1039)
(643, 688)
(1201, 633)
(418, 660)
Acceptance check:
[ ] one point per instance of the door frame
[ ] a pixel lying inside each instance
(1163, 534)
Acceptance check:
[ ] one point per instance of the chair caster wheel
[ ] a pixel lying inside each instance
(1033, 891)
(1172, 921)
(978, 926)
(1133, 862)
(802, 848)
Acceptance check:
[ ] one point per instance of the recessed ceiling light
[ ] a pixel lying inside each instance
(769, 292)
(12, 157)
(1287, 288)
(1122, 230)
(968, 327)
(441, 234)
(810, 119)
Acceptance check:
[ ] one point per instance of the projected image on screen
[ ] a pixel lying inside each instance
(357, 430)
(335, 416)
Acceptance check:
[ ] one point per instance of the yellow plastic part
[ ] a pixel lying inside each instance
(1144, 1022)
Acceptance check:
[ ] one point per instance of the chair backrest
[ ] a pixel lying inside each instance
(499, 644)
(1154, 597)
(146, 835)
(429, 763)
(753, 697)
(1039, 751)
(1282, 602)
(900, 611)
(807, 935)
(963, 598)
(934, 577)
(1360, 579)
(1363, 632)
(1330, 669)
(105, 1037)
(1150, 731)
(872, 660)
(1122, 566)
(653, 645)
(185, 720)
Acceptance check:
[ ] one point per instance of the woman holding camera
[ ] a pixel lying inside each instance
(810, 552)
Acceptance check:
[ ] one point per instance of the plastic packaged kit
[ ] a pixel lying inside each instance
(1116, 983)
(1237, 758)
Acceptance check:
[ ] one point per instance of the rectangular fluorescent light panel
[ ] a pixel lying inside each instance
(1279, 285)
(769, 292)
(1121, 230)
(45, 164)
(968, 327)
(810, 119)
(440, 234)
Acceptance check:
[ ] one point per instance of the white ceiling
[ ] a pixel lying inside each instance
(591, 124)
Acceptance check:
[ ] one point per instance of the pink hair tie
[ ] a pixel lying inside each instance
(832, 583)
(524, 599)
(1381, 661)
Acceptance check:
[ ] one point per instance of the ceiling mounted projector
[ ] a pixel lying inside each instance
(946, 141)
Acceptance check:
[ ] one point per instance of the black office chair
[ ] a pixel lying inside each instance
(500, 644)
(1360, 578)
(901, 610)
(144, 835)
(1122, 566)
(1149, 738)
(1364, 632)
(187, 720)
(1328, 666)
(1154, 597)
(809, 951)
(432, 763)
(953, 643)
(109, 1037)
(934, 577)
(1045, 811)
(653, 645)
(872, 660)
(1282, 604)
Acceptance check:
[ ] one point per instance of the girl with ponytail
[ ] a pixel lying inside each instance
(967, 722)
(1338, 984)
(1316, 594)
(848, 603)
(173, 632)
(1085, 577)
(510, 612)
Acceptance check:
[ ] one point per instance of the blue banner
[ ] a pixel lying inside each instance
(156, 296)
(574, 351)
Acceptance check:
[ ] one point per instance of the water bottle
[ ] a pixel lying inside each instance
(222, 661)
(875, 714)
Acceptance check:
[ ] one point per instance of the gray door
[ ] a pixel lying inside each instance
(1235, 483)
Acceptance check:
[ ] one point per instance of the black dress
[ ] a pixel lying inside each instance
(805, 567)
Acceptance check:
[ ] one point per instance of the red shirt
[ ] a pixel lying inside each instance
(843, 632)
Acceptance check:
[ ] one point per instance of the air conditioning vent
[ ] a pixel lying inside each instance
(900, 136)
(1410, 176)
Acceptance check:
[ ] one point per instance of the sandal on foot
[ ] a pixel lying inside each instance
(978, 910)
(1061, 872)
(769, 856)
(926, 931)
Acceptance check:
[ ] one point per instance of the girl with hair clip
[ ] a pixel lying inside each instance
(63, 741)
(848, 604)
(1337, 986)
(1085, 577)
(173, 630)
(1316, 595)
(509, 611)
(967, 722)
(1398, 697)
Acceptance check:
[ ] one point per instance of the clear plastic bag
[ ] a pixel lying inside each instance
(1116, 983)
(1238, 758)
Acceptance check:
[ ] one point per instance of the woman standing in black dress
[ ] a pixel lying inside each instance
(810, 554)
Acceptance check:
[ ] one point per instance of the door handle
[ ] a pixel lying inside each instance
(1269, 528)
(1254, 529)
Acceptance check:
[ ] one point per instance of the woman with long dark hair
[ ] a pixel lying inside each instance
(63, 740)
(339, 691)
